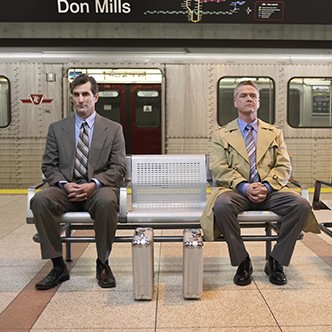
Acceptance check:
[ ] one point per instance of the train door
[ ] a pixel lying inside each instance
(138, 108)
(145, 118)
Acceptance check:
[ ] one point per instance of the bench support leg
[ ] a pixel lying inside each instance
(268, 231)
(68, 245)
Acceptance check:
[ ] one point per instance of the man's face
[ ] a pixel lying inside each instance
(83, 100)
(247, 100)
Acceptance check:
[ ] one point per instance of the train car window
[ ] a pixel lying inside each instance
(225, 109)
(147, 109)
(4, 102)
(309, 102)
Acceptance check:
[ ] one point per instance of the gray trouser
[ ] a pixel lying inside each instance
(50, 203)
(292, 207)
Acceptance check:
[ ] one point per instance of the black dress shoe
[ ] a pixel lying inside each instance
(104, 275)
(243, 273)
(54, 278)
(275, 272)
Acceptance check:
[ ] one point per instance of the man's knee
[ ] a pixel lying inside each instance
(301, 202)
(223, 204)
(39, 201)
(109, 203)
(304, 205)
(106, 200)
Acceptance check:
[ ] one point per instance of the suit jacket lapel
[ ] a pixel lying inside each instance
(68, 143)
(98, 140)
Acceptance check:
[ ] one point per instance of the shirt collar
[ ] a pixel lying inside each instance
(242, 124)
(89, 120)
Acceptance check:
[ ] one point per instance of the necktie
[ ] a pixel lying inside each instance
(82, 152)
(251, 148)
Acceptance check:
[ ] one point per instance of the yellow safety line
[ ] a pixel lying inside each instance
(25, 191)
(13, 191)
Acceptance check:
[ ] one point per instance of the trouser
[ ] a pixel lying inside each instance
(50, 203)
(291, 206)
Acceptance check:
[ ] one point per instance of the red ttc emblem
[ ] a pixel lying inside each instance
(36, 99)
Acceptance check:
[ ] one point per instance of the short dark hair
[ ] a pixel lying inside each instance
(82, 79)
(242, 83)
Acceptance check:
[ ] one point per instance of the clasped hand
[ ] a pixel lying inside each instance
(79, 192)
(257, 192)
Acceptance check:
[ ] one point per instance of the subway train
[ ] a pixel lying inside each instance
(168, 100)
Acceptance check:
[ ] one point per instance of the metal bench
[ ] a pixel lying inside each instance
(162, 192)
(320, 204)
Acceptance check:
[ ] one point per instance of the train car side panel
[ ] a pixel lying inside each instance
(187, 118)
(35, 103)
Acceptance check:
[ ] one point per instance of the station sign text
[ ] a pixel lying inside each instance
(99, 7)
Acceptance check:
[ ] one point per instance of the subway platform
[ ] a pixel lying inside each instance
(304, 304)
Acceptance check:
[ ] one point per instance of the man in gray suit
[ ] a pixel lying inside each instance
(96, 190)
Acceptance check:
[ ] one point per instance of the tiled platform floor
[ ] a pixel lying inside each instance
(304, 304)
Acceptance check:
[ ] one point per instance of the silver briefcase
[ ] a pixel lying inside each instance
(192, 263)
(143, 263)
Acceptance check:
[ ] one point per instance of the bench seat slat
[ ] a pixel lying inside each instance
(76, 217)
(161, 215)
(164, 215)
(249, 216)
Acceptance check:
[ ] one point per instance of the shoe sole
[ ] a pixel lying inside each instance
(103, 285)
(243, 283)
(111, 285)
(272, 281)
(62, 279)
(246, 283)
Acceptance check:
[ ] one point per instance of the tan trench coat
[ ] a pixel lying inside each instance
(229, 164)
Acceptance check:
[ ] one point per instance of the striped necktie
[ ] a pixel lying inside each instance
(251, 148)
(82, 152)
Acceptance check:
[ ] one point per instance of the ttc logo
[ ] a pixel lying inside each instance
(36, 99)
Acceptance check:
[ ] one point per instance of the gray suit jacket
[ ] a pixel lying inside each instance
(107, 156)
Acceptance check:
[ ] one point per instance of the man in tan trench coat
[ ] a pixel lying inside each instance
(253, 184)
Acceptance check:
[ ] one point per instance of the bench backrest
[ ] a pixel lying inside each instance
(168, 181)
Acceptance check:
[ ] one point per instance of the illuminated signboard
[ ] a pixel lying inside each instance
(168, 11)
